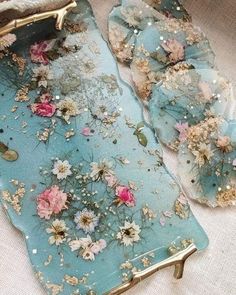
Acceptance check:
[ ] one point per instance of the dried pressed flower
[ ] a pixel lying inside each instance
(6, 41)
(22, 94)
(226, 197)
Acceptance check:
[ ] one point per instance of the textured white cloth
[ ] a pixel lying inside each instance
(211, 272)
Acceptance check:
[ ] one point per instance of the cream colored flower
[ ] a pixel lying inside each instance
(61, 169)
(174, 49)
(7, 40)
(58, 231)
(99, 171)
(122, 49)
(203, 154)
(87, 254)
(131, 15)
(129, 233)
(224, 144)
(41, 75)
(67, 108)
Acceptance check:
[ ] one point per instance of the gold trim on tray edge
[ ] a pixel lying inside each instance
(59, 14)
(178, 260)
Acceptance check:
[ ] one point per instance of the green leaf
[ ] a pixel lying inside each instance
(10, 155)
(142, 139)
(3, 147)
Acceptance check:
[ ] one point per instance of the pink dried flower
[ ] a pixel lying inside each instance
(125, 196)
(162, 221)
(224, 144)
(52, 200)
(7, 40)
(174, 49)
(182, 128)
(111, 180)
(38, 51)
(86, 131)
(43, 109)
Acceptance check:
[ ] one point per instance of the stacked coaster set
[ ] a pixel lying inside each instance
(82, 172)
(190, 105)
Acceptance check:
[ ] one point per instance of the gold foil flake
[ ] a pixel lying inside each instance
(14, 109)
(44, 135)
(54, 288)
(15, 199)
(48, 261)
(39, 276)
(226, 197)
(22, 94)
(70, 133)
(126, 265)
(173, 249)
(182, 210)
(148, 213)
(146, 261)
(71, 280)
(125, 277)
(20, 61)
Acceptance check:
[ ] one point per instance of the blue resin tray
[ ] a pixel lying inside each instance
(82, 176)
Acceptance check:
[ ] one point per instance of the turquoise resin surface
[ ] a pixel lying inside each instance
(112, 169)
(185, 99)
(210, 182)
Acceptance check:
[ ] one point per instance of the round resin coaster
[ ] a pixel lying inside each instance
(82, 176)
(133, 16)
(125, 22)
(170, 8)
(163, 45)
(185, 98)
(207, 162)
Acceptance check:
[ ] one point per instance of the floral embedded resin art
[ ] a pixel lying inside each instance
(82, 175)
(173, 73)
(185, 98)
(208, 160)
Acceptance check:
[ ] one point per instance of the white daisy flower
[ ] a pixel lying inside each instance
(100, 170)
(58, 231)
(129, 233)
(61, 169)
(86, 220)
(87, 254)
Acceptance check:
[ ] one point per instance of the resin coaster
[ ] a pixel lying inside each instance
(82, 177)
(170, 8)
(163, 45)
(124, 24)
(207, 162)
(184, 99)
(133, 16)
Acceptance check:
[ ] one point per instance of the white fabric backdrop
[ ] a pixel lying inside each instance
(212, 272)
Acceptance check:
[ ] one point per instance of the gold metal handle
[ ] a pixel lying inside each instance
(178, 260)
(59, 14)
